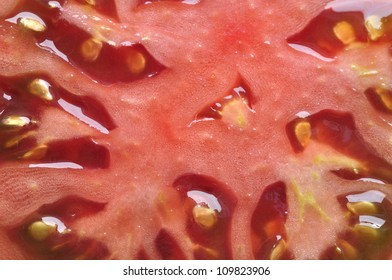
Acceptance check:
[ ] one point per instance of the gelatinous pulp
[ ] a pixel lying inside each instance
(337, 130)
(344, 25)
(269, 237)
(209, 205)
(368, 235)
(48, 232)
(93, 54)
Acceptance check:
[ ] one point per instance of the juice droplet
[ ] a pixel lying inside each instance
(337, 130)
(209, 205)
(103, 61)
(48, 234)
(369, 233)
(269, 237)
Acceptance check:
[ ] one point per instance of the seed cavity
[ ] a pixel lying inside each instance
(234, 109)
(337, 130)
(330, 33)
(208, 205)
(345, 32)
(40, 88)
(103, 61)
(369, 227)
(346, 250)
(268, 231)
(48, 233)
(380, 98)
(91, 48)
(168, 246)
(15, 141)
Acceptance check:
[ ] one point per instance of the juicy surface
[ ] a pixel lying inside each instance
(206, 48)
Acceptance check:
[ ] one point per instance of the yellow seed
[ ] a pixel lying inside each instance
(15, 121)
(367, 233)
(346, 250)
(303, 132)
(345, 32)
(37, 153)
(91, 49)
(39, 230)
(279, 250)
(32, 24)
(204, 216)
(91, 2)
(136, 62)
(374, 27)
(362, 208)
(40, 88)
(385, 96)
(235, 113)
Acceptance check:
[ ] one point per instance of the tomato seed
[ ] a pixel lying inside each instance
(15, 121)
(363, 208)
(345, 32)
(33, 24)
(40, 230)
(204, 216)
(40, 88)
(91, 49)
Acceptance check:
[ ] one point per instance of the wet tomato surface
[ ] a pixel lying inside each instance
(195, 129)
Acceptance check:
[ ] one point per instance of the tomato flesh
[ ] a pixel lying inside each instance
(195, 129)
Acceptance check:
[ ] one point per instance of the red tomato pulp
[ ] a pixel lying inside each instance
(205, 129)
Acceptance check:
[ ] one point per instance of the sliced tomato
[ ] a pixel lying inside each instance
(195, 129)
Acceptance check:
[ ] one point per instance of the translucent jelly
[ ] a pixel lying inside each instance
(269, 237)
(337, 130)
(24, 99)
(48, 234)
(168, 247)
(93, 54)
(208, 205)
(368, 235)
(344, 25)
